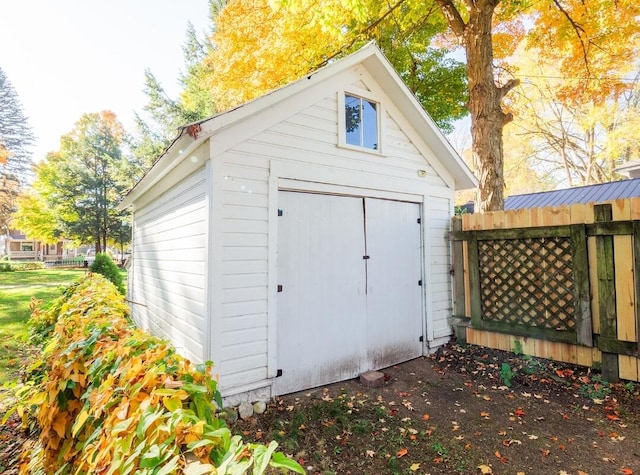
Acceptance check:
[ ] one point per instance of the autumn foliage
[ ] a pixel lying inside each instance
(113, 399)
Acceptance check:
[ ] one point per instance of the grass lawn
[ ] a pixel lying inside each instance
(16, 290)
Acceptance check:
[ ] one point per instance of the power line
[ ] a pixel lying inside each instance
(569, 78)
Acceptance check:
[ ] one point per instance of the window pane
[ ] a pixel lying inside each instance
(369, 125)
(352, 119)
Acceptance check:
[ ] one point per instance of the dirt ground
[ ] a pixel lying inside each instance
(467, 410)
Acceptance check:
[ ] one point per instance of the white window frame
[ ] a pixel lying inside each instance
(342, 126)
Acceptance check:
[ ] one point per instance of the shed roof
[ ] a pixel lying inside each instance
(377, 64)
(581, 194)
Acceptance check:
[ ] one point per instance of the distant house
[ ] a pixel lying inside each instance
(599, 193)
(301, 238)
(19, 247)
(630, 169)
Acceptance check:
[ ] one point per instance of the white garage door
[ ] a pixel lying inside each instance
(350, 299)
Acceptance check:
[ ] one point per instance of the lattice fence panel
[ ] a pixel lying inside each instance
(528, 282)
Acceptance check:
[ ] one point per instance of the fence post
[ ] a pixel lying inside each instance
(607, 293)
(584, 325)
(474, 280)
(458, 271)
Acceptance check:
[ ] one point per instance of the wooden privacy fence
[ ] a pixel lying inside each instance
(561, 283)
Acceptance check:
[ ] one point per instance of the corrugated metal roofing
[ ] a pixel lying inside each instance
(582, 194)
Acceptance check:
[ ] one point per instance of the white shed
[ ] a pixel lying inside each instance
(301, 238)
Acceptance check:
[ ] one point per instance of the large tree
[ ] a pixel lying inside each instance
(587, 38)
(15, 157)
(579, 140)
(79, 186)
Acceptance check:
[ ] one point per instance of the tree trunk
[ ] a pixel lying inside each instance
(485, 97)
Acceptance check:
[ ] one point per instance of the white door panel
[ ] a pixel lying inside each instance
(321, 308)
(394, 297)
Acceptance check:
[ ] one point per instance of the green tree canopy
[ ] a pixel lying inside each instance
(15, 157)
(79, 186)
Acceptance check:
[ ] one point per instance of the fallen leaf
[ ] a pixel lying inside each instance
(426, 417)
(485, 469)
(402, 452)
(408, 405)
(626, 471)
(613, 417)
(484, 414)
(414, 467)
(510, 442)
(370, 453)
(519, 412)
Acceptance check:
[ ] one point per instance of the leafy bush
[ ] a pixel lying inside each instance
(115, 399)
(103, 264)
(14, 266)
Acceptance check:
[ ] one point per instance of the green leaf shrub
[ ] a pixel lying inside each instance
(103, 264)
(116, 400)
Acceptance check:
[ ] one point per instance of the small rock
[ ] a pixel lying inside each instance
(259, 407)
(230, 415)
(372, 379)
(245, 410)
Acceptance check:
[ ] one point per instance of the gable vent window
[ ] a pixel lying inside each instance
(361, 122)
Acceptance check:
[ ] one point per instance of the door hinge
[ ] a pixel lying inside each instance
(420, 282)
(419, 220)
(280, 212)
(421, 338)
(279, 288)
(278, 373)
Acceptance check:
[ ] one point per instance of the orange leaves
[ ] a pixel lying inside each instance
(113, 393)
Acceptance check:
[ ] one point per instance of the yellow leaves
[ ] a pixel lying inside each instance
(79, 423)
(172, 403)
(259, 47)
(485, 469)
(59, 424)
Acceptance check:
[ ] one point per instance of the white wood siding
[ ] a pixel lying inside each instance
(438, 219)
(304, 146)
(167, 278)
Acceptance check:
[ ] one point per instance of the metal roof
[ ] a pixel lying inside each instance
(582, 194)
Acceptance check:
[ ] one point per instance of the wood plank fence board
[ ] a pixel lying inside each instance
(628, 367)
(625, 301)
(636, 270)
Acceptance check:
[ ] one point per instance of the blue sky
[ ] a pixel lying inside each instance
(68, 57)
